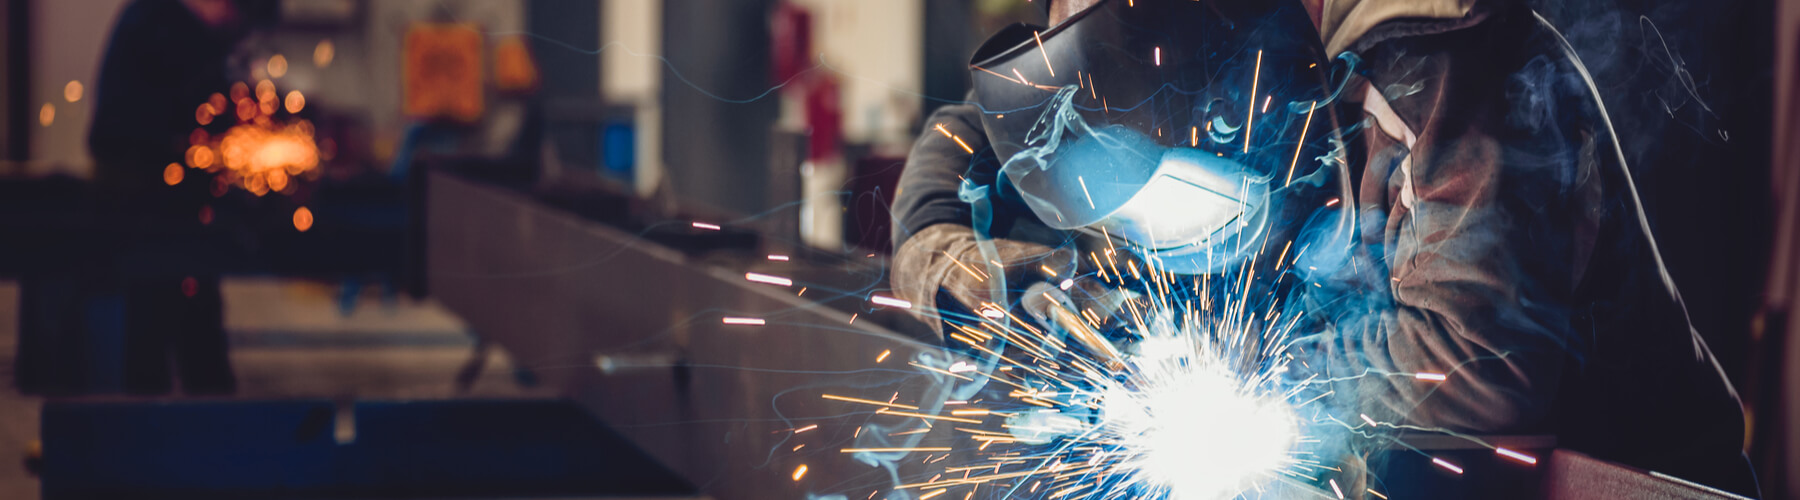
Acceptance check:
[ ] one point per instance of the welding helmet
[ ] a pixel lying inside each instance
(1182, 129)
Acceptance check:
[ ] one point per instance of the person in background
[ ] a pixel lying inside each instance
(164, 58)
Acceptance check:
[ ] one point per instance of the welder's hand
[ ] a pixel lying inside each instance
(944, 261)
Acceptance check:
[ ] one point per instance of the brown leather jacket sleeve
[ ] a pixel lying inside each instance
(1478, 225)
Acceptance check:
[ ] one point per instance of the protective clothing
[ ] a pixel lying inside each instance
(953, 275)
(1169, 126)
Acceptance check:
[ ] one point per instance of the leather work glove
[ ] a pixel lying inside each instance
(942, 267)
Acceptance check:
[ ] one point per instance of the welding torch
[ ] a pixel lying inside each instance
(1049, 304)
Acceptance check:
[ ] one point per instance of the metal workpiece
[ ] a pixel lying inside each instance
(592, 311)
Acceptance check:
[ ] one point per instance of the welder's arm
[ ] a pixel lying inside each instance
(938, 265)
(927, 194)
(1481, 266)
(1457, 310)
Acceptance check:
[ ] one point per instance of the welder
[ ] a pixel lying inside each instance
(164, 58)
(1497, 228)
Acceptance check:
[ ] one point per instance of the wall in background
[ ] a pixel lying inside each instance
(67, 40)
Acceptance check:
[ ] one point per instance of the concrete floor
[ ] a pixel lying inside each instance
(291, 339)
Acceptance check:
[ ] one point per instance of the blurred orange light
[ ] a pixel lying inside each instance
(324, 53)
(239, 91)
(295, 101)
(278, 181)
(217, 101)
(265, 89)
(198, 137)
(253, 152)
(200, 156)
(173, 174)
(257, 185)
(246, 109)
(277, 66)
(303, 219)
(204, 114)
(72, 91)
(47, 115)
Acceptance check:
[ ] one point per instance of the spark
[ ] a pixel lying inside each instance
(892, 450)
(807, 428)
(885, 411)
(323, 53)
(772, 280)
(1377, 493)
(730, 320)
(1250, 118)
(959, 142)
(1158, 56)
(800, 472)
(1334, 487)
(1084, 191)
(778, 258)
(173, 174)
(1040, 44)
(1447, 465)
(1516, 455)
(277, 66)
(927, 496)
(1301, 145)
(890, 302)
(706, 226)
(295, 102)
(847, 399)
(303, 219)
(884, 355)
(1435, 377)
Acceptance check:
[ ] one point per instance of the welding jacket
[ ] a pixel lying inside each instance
(1500, 239)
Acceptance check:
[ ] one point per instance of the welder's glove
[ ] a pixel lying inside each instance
(942, 266)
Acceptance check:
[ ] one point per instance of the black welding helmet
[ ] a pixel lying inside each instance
(1183, 129)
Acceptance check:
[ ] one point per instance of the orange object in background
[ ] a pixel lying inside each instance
(514, 68)
(303, 219)
(442, 72)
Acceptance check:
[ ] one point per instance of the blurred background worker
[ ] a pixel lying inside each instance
(164, 58)
(1498, 238)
